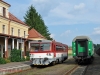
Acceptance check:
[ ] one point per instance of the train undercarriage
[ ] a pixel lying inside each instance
(84, 60)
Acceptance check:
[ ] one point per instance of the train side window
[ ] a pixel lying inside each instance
(56, 48)
(59, 48)
(64, 48)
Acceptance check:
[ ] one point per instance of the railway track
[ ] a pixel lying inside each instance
(81, 70)
(71, 70)
(58, 69)
(91, 69)
(66, 68)
(94, 69)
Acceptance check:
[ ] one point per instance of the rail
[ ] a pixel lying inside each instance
(71, 70)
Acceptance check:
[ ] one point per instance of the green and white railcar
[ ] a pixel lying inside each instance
(82, 49)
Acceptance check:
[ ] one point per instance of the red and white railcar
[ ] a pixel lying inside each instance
(48, 52)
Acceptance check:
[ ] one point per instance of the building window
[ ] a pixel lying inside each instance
(19, 32)
(4, 11)
(3, 29)
(12, 31)
(24, 34)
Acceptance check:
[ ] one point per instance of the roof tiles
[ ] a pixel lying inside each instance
(13, 18)
(34, 34)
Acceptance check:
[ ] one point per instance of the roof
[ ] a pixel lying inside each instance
(81, 37)
(44, 41)
(13, 18)
(5, 2)
(34, 34)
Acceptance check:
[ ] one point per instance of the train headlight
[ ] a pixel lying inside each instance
(48, 54)
(74, 53)
(32, 55)
(89, 49)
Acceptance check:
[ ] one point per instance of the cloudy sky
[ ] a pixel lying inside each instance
(65, 19)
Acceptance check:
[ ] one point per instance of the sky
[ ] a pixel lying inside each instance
(65, 19)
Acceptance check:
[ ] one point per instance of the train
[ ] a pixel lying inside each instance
(46, 52)
(82, 49)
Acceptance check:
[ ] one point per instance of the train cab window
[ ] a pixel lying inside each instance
(45, 47)
(35, 47)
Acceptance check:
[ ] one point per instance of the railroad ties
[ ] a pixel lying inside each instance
(91, 69)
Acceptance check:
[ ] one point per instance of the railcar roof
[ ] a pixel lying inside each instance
(37, 41)
(45, 41)
(81, 37)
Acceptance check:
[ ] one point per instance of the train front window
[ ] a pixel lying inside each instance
(45, 46)
(35, 47)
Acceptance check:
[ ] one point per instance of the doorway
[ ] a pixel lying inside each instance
(3, 51)
(0, 51)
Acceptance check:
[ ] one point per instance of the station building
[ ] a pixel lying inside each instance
(14, 33)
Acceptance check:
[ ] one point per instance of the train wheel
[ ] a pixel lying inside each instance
(53, 63)
(57, 61)
(61, 61)
(32, 65)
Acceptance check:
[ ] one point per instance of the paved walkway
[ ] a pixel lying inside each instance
(14, 67)
(14, 64)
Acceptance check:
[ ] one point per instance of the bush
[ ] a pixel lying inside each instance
(15, 55)
(0, 54)
(7, 60)
(27, 53)
(23, 59)
(27, 58)
(2, 60)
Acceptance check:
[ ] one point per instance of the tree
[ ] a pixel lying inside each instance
(34, 20)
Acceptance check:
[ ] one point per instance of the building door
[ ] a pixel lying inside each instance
(3, 51)
(19, 45)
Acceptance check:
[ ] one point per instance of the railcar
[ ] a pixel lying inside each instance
(82, 49)
(47, 52)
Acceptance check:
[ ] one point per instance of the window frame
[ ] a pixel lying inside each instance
(19, 32)
(12, 31)
(3, 29)
(24, 33)
(4, 12)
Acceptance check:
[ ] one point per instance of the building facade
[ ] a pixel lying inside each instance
(13, 32)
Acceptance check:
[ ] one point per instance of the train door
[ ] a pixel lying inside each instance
(81, 47)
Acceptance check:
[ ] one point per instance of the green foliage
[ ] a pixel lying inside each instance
(23, 59)
(0, 54)
(27, 53)
(15, 55)
(7, 60)
(34, 20)
(2, 60)
(27, 58)
(96, 46)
